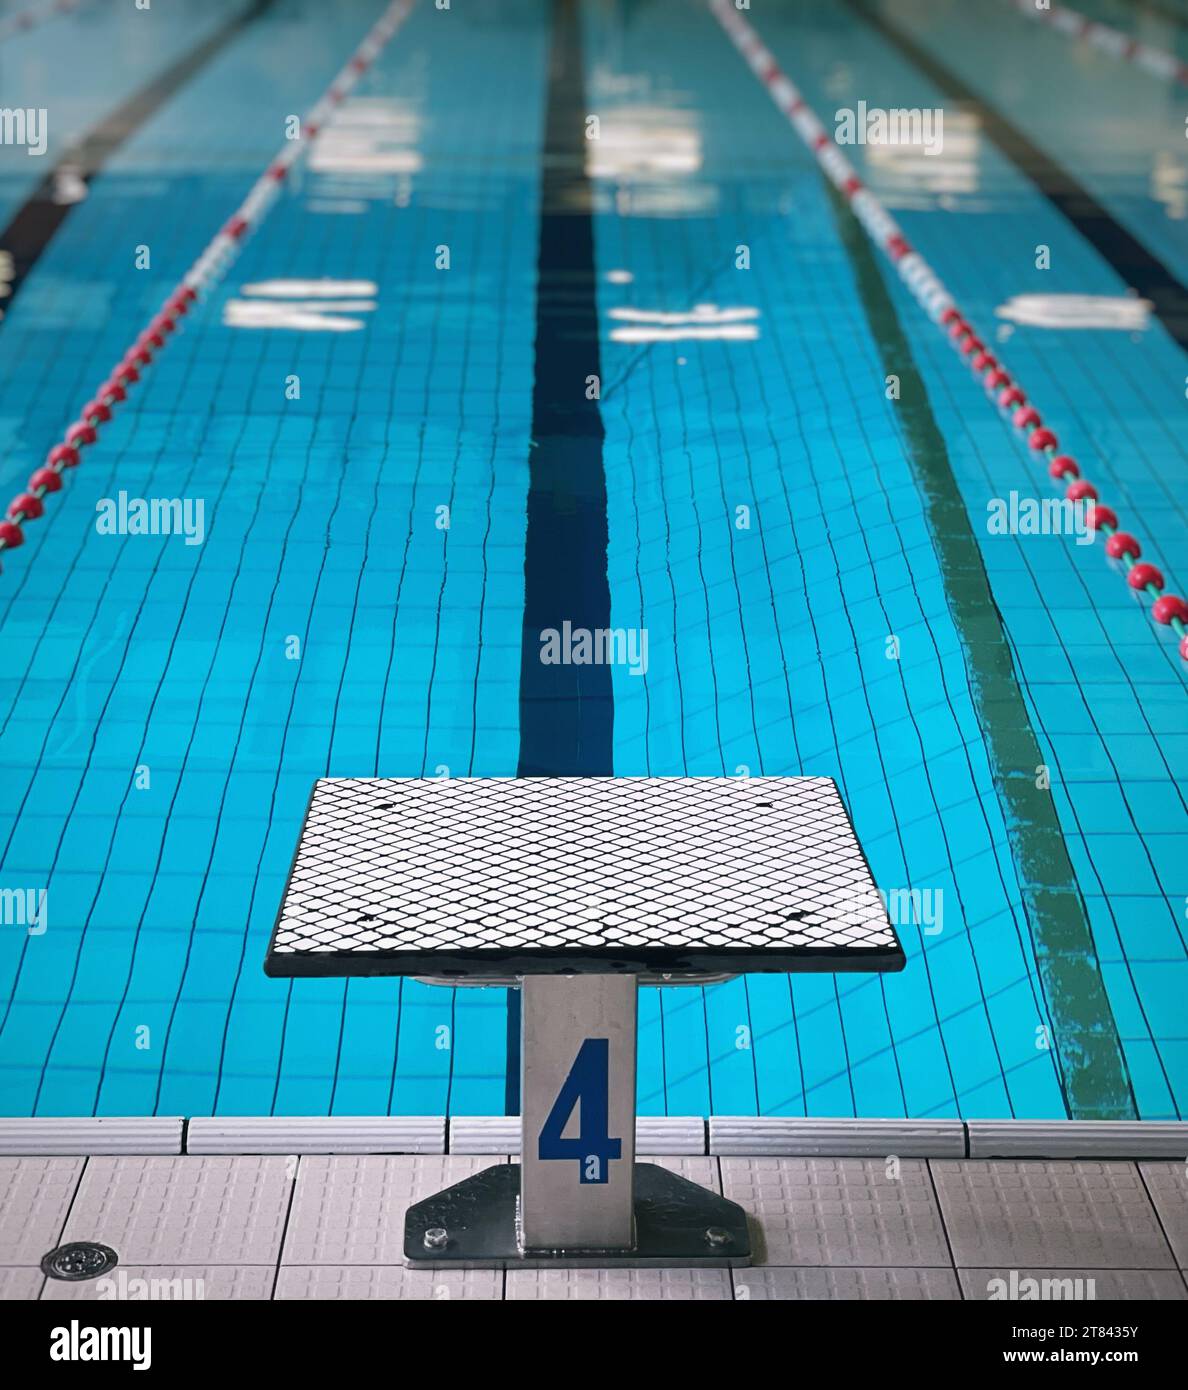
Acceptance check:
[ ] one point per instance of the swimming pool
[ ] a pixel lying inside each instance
(395, 497)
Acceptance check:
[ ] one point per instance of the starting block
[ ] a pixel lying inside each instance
(577, 890)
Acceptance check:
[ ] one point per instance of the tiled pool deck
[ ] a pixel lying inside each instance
(330, 1226)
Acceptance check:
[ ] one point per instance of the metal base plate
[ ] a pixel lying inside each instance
(678, 1224)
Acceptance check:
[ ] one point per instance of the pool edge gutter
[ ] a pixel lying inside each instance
(724, 1136)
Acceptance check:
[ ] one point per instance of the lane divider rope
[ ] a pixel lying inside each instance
(206, 271)
(931, 294)
(1157, 61)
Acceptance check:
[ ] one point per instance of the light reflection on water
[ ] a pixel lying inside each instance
(702, 323)
(1127, 313)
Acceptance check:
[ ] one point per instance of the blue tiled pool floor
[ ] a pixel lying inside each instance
(357, 604)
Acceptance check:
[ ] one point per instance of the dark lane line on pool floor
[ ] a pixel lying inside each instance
(1134, 265)
(566, 710)
(37, 221)
(1092, 1067)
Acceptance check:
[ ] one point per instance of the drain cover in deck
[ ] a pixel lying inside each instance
(81, 1259)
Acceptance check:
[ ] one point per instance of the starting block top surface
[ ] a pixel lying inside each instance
(474, 877)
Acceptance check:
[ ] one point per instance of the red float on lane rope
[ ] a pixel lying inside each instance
(45, 480)
(81, 432)
(1121, 544)
(1142, 574)
(25, 507)
(1169, 606)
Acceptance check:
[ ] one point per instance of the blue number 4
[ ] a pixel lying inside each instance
(586, 1086)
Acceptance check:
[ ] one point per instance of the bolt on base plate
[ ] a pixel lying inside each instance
(678, 1224)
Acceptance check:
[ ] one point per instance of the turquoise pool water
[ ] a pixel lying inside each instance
(774, 522)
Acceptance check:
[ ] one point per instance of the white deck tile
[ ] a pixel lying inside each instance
(1095, 1284)
(387, 1281)
(815, 1284)
(349, 1210)
(1168, 1186)
(617, 1285)
(184, 1210)
(1064, 1215)
(20, 1283)
(168, 1283)
(35, 1196)
(830, 1211)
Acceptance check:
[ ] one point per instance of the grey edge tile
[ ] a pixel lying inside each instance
(35, 1197)
(167, 1283)
(1073, 1285)
(1168, 1186)
(1049, 1214)
(358, 1282)
(823, 1212)
(845, 1283)
(349, 1209)
(617, 1285)
(20, 1282)
(184, 1210)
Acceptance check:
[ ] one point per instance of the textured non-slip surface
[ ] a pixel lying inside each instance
(194, 1283)
(1072, 1215)
(1076, 1285)
(482, 875)
(331, 1227)
(350, 1210)
(226, 1211)
(20, 1282)
(1167, 1182)
(844, 1283)
(529, 1285)
(35, 1195)
(821, 1211)
(299, 1281)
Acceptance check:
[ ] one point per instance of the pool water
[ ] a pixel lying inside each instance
(393, 491)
